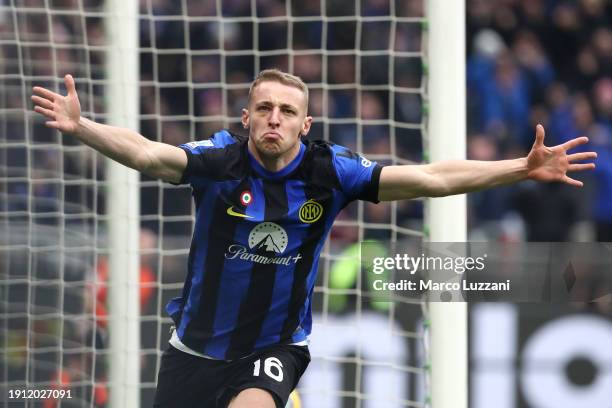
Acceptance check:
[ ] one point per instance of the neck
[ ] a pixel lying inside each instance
(274, 163)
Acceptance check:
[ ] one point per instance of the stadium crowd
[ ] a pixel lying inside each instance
(528, 62)
(544, 62)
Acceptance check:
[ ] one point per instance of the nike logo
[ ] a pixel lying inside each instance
(230, 211)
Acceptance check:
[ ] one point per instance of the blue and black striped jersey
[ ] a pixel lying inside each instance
(257, 240)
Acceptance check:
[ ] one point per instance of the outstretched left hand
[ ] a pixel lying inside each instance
(553, 163)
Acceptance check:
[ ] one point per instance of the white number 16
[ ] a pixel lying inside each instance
(272, 367)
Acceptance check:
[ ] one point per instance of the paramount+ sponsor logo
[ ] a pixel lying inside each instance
(310, 212)
(267, 241)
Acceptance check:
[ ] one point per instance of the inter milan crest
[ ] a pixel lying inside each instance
(246, 198)
(310, 211)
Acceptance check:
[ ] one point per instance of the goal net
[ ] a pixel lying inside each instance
(364, 64)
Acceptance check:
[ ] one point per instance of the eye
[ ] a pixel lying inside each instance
(263, 107)
(289, 111)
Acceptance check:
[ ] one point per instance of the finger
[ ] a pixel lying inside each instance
(539, 142)
(572, 182)
(580, 167)
(45, 103)
(47, 112)
(581, 156)
(575, 142)
(70, 85)
(45, 93)
(52, 124)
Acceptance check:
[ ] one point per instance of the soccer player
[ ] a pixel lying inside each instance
(264, 206)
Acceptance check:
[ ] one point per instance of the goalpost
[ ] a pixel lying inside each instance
(55, 232)
(68, 216)
(122, 100)
(447, 216)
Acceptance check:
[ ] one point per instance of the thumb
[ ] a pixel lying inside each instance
(539, 142)
(70, 85)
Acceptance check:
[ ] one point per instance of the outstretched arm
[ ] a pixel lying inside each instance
(125, 146)
(462, 176)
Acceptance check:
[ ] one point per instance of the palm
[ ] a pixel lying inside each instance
(68, 112)
(553, 163)
(62, 112)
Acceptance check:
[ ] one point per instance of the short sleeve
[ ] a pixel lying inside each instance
(205, 157)
(359, 177)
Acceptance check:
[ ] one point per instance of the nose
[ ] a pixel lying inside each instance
(274, 118)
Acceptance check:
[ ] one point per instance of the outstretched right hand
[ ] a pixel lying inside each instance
(63, 112)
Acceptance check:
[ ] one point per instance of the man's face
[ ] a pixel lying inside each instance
(276, 118)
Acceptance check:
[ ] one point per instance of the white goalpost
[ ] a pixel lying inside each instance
(90, 251)
(123, 202)
(447, 216)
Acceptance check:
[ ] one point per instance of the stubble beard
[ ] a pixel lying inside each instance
(269, 150)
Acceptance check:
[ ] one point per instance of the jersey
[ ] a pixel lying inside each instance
(257, 239)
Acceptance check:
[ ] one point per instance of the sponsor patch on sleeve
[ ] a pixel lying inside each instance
(207, 143)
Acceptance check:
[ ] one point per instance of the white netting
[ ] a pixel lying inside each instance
(51, 195)
(363, 62)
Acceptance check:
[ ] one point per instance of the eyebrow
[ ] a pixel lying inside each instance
(282, 105)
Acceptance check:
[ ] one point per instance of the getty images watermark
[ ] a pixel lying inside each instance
(516, 272)
(413, 264)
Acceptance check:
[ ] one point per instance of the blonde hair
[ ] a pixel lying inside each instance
(276, 75)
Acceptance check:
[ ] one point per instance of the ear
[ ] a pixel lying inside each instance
(306, 125)
(245, 118)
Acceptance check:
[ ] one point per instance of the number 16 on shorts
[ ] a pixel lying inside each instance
(273, 368)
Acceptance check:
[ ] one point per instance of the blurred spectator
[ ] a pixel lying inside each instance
(542, 207)
(534, 62)
(602, 95)
(490, 205)
(308, 67)
(506, 100)
(148, 280)
(603, 199)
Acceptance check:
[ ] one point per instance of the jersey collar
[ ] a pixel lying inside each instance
(262, 171)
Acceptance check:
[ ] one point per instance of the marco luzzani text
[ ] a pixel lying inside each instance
(404, 263)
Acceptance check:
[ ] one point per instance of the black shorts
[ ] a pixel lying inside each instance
(189, 381)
